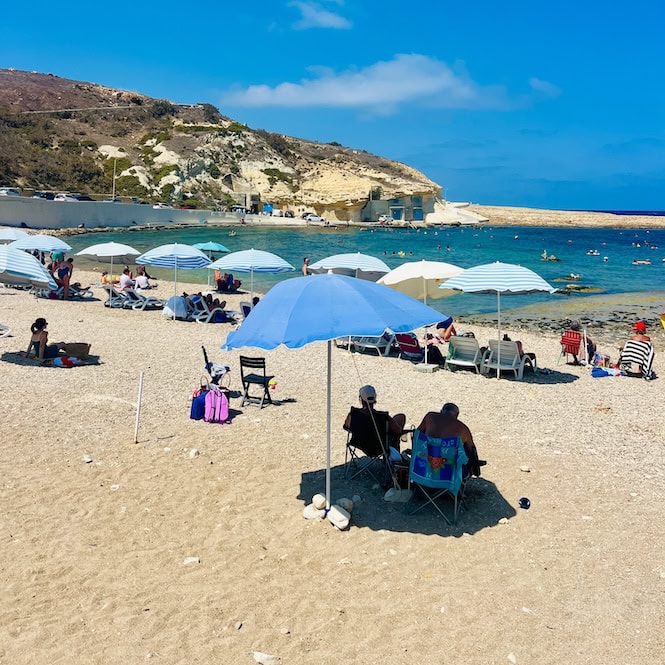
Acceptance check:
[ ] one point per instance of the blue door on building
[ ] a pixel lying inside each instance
(397, 213)
(417, 214)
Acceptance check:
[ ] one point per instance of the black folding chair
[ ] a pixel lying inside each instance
(255, 378)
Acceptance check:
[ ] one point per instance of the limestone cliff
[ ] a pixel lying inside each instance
(58, 134)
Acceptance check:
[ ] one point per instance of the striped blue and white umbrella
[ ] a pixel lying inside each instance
(176, 256)
(354, 265)
(498, 278)
(21, 269)
(42, 243)
(251, 261)
(9, 235)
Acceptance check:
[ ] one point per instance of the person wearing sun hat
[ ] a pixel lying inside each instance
(640, 329)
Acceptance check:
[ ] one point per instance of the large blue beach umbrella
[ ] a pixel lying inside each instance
(251, 261)
(42, 243)
(175, 256)
(19, 268)
(497, 277)
(299, 311)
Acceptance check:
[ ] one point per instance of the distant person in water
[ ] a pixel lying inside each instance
(305, 267)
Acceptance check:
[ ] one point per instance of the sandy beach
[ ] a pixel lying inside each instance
(99, 532)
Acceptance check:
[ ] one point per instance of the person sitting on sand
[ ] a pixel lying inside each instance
(39, 345)
(446, 424)
(640, 335)
(126, 281)
(255, 301)
(364, 423)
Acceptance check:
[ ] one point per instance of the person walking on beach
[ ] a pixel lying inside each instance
(446, 424)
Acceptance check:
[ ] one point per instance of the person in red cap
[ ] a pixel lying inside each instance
(640, 335)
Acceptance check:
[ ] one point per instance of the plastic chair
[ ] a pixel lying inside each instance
(259, 378)
(436, 472)
(464, 352)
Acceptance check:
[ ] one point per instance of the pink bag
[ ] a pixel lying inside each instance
(216, 407)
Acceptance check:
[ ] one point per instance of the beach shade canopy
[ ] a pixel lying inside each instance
(421, 279)
(21, 269)
(251, 261)
(358, 265)
(176, 256)
(9, 235)
(42, 243)
(211, 248)
(499, 278)
(299, 311)
(110, 252)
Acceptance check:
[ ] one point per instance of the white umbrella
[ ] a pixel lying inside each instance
(9, 235)
(356, 264)
(42, 243)
(108, 251)
(175, 256)
(498, 278)
(21, 269)
(251, 261)
(421, 279)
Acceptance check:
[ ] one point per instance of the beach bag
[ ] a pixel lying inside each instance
(216, 407)
(76, 349)
(197, 411)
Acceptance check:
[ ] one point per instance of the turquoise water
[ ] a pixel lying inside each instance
(465, 247)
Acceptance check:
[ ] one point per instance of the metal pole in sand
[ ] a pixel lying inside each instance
(138, 409)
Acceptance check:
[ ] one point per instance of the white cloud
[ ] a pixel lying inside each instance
(381, 87)
(315, 16)
(545, 87)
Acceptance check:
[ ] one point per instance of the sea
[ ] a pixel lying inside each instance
(609, 270)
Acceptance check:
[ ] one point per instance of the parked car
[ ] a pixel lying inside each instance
(311, 217)
(277, 213)
(385, 219)
(157, 206)
(84, 197)
(289, 214)
(44, 195)
(64, 196)
(10, 191)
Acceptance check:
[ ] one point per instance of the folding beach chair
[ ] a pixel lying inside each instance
(640, 353)
(436, 472)
(368, 438)
(255, 378)
(571, 344)
(409, 347)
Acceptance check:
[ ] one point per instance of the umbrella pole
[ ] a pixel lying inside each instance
(251, 285)
(498, 355)
(424, 303)
(328, 425)
(175, 286)
(208, 271)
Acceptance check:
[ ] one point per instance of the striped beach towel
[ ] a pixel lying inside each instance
(638, 353)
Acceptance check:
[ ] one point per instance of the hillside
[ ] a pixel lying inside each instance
(59, 134)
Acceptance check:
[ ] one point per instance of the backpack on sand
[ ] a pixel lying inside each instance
(216, 407)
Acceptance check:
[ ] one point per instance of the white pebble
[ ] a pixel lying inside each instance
(265, 658)
(193, 453)
(167, 450)
(238, 625)
(503, 520)
(285, 631)
(115, 488)
(512, 658)
(525, 469)
(587, 518)
(87, 459)
(190, 560)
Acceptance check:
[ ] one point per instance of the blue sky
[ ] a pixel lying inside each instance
(522, 103)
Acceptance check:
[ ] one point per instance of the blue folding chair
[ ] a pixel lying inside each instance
(436, 472)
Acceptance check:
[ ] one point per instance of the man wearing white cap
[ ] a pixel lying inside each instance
(368, 426)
